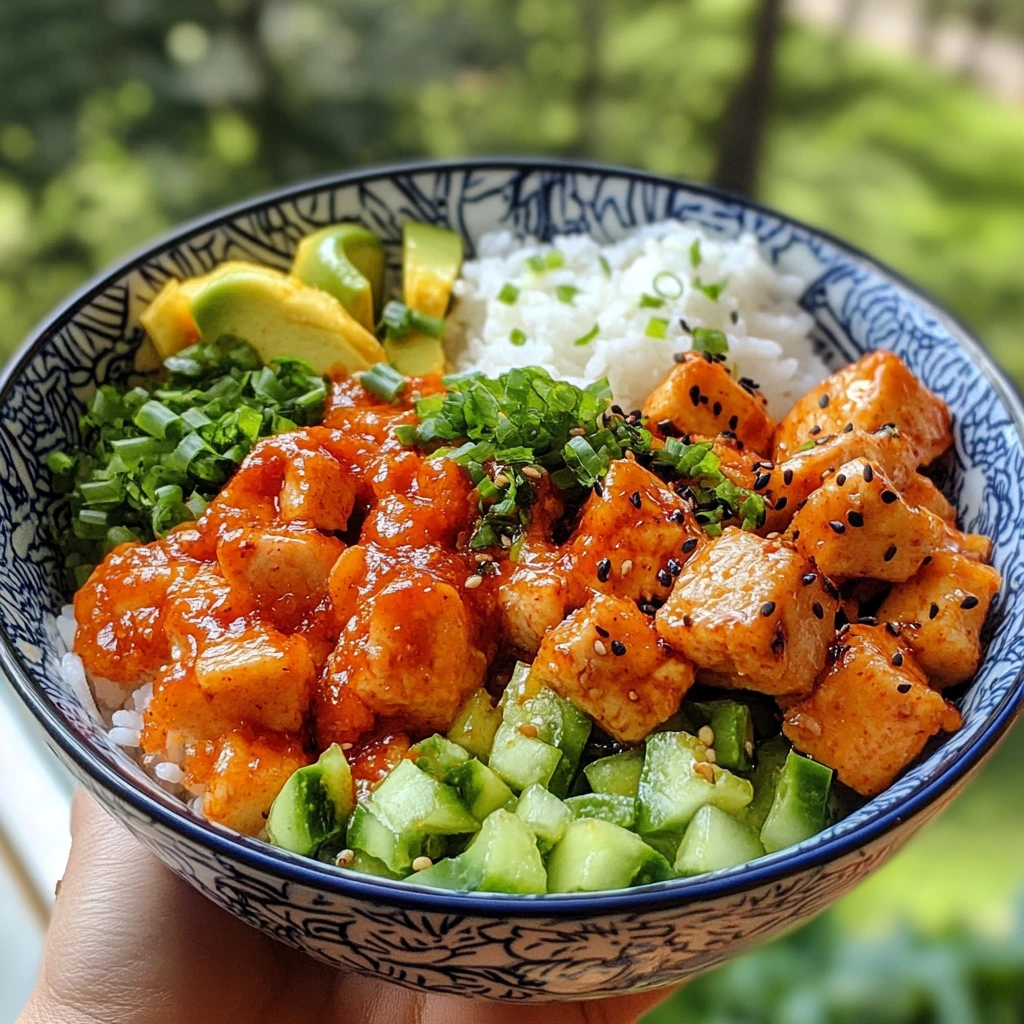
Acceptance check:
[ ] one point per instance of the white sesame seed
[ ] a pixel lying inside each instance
(599, 648)
(633, 695)
(706, 735)
(501, 480)
(705, 771)
(577, 431)
(483, 558)
(626, 567)
(749, 748)
(345, 858)
(710, 756)
(346, 746)
(532, 472)
(527, 729)
(473, 582)
(506, 542)
(422, 863)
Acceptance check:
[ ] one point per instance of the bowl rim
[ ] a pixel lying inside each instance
(314, 875)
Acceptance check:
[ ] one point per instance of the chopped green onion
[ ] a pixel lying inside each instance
(606, 267)
(384, 381)
(712, 291)
(508, 294)
(657, 327)
(397, 320)
(706, 339)
(155, 419)
(651, 302)
(667, 285)
(517, 337)
(101, 492)
(695, 253)
(106, 405)
(807, 446)
(535, 263)
(60, 463)
(586, 339)
(554, 259)
(119, 535)
(195, 419)
(566, 293)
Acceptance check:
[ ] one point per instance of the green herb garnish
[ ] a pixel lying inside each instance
(509, 294)
(712, 291)
(586, 339)
(153, 455)
(657, 327)
(384, 381)
(566, 293)
(651, 302)
(517, 337)
(667, 285)
(606, 267)
(695, 253)
(397, 321)
(707, 339)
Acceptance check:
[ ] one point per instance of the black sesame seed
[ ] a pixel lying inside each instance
(903, 688)
(808, 578)
(665, 577)
(890, 553)
(796, 533)
(819, 612)
(695, 395)
(778, 641)
(680, 357)
(787, 477)
(969, 602)
(869, 474)
(598, 488)
(892, 629)
(837, 527)
(618, 648)
(689, 545)
(823, 401)
(734, 316)
(815, 430)
(830, 588)
(687, 621)
(678, 516)
(848, 428)
(854, 518)
(927, 559)
(889, 497)
(604, 570)
(762, 481)
(703, 399)
(768, 608)
(734, 422)
(601, 631)
(781, 503)
(634, 499)
(673, 567)
(841, 479)
(897, 659)
(867, 620)
(686, 327)
(933, 611)
(617, 409)
(717, 408)
(668, 428)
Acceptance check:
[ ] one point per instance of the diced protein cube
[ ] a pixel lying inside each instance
(752, 613)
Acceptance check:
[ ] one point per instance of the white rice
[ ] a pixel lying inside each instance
(769, 340)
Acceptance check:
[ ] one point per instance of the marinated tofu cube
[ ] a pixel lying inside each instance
(857, 525)
(971, 545)
(752, 613)
(871, 713)
(947, 600)
(537, 596)
(633, 536)
(262, 676)
(700, 396)
(923, 493)
(317, 490)
(876, 390)
(608, 660)
(247, 775)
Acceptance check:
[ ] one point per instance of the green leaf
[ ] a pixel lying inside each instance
(706, 339)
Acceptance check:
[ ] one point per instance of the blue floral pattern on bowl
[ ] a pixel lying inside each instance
(488, 945)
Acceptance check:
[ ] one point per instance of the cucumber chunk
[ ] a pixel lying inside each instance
(672, 790)
(368, 834)
(367, 865)
(544, 815)
(522, 760)
(313, 805)
(557, 721)
(619, 810)
(715, 840)
(801, 799)
(475, 725)
(618, 774)
(502, 857)
(594, 855)
(771, 756)
(479, 788)
(733, 727)
(437, 756)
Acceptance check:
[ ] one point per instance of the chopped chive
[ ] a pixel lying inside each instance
(101, 492)
(554, 259)
(651, 302)
(155, 419)
(657, 327)
(517, 337)
(566, 293)
(535, 263)
(606, 267)
(384, 381)
(695, 253)
(667, 285)
(586, 339)
(508, 294)
(60, 463)
(712, 291)
(706, 339)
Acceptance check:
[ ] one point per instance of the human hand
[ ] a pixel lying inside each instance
(130, 943)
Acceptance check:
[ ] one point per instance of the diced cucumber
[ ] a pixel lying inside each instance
(475, 725)
(503, 857)
(367, 833)
(618, 774)
(619, 810)
(734, 732)
(801, 798)
(715, 840)
(479, 788)
(409, 800)
(557, 721)
(522, 760)
(367, 865)
(771, 756)
(674, 786)
(594, 855)
(437, 756)
(313, 805)
(544, 815)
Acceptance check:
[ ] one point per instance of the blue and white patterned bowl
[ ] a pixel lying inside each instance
(542, 947)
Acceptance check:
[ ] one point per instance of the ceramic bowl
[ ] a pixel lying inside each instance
(505, 947)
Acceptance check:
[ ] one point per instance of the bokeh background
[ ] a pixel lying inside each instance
(898, 124)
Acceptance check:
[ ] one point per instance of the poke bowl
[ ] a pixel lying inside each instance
(510, 578)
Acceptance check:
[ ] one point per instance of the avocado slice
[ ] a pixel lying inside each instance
(280, 316)
(431, 260)
(350, 263)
